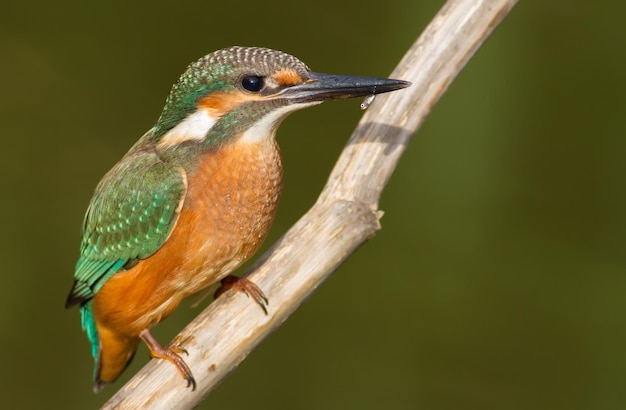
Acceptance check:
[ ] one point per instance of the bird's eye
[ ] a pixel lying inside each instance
(252, 83)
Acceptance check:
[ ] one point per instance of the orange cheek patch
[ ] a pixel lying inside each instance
(287, 76)
(219, 104)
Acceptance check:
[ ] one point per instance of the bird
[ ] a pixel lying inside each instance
(192, 199)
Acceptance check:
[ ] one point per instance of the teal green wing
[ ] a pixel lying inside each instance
(131, 215)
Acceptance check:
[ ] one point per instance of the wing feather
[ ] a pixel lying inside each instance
(131, 215)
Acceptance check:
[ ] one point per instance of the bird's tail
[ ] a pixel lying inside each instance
(112, 352)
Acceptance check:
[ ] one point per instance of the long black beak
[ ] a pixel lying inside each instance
(322, 87)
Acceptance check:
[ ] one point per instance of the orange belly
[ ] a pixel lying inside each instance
(231, 201)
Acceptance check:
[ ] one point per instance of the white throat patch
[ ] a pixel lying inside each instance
(265, 128)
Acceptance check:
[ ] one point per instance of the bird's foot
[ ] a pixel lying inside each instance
(171, 354)
(245, 286)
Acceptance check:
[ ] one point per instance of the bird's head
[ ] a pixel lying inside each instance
(247, 91)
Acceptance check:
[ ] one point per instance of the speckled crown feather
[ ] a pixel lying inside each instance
(264, 59)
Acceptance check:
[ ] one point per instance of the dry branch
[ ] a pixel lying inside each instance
(343, 218)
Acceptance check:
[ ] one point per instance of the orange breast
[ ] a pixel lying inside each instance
(230, 204)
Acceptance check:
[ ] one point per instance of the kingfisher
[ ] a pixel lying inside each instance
(193, 199)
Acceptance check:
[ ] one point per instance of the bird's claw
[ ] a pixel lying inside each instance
(246, 287)
(171, 354)
(178, 349)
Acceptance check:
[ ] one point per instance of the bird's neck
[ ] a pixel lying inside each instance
(207, 128)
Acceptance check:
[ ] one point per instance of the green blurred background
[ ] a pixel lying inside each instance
(498, 279)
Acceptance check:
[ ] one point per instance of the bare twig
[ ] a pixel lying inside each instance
(343, 218)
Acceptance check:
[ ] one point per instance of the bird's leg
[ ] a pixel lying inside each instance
(245, 286)
(170, 354)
